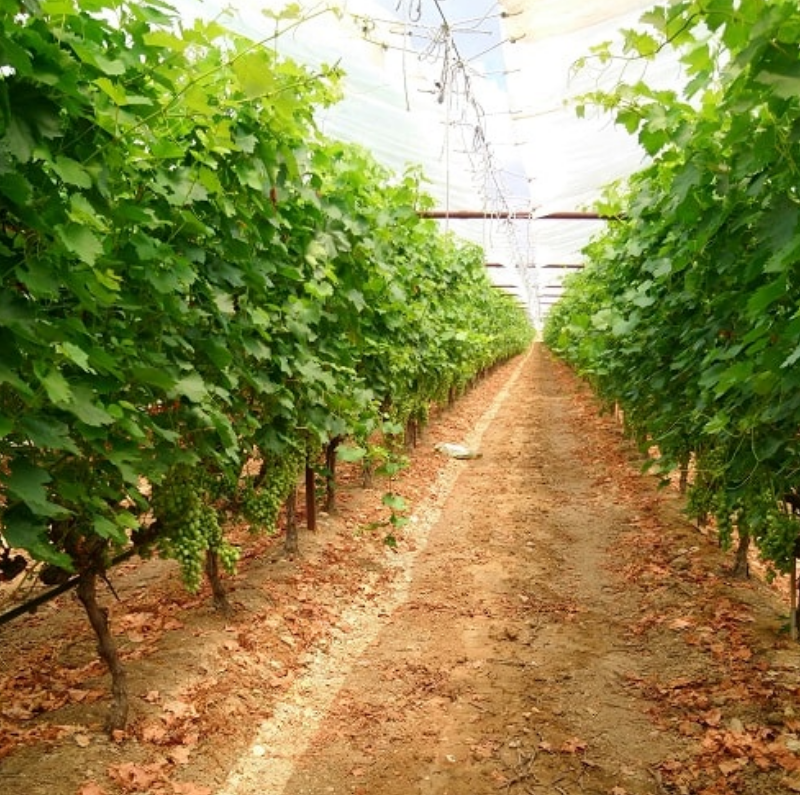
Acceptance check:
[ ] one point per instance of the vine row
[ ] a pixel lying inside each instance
(199, 290)
(688, 315)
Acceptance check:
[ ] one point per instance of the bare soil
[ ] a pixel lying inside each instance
(549, 623)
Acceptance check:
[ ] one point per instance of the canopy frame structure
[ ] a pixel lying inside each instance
(481, 97)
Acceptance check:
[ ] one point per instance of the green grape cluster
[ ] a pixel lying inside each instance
(176, 497)
(261, 505)
(228, 556)
(190, 527)
(724, 514)
(292, 461)
(227, 553)
(700, 503)
(777, 537)
(217, 485)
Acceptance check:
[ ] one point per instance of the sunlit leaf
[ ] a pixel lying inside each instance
(81, 241)
(72, 172)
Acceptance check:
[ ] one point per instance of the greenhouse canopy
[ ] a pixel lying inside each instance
(481, 95)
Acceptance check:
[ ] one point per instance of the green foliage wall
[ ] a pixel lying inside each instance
(689, 313)
(191, 273)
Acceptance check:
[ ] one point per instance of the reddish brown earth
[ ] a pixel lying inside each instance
(550, 624)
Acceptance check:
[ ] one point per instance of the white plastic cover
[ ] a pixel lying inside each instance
(478, 93)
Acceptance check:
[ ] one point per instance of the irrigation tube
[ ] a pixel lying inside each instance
(32, 604)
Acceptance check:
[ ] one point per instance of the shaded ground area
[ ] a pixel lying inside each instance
(550, 624)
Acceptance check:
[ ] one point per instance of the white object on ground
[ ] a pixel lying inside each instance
(457, 450)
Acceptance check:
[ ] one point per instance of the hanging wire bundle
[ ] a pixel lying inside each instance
(453, 86)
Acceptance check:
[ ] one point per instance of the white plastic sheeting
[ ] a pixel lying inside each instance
(477, 93)
(568, 160)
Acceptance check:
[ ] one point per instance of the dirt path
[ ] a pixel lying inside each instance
(549, 625)
(502, 665)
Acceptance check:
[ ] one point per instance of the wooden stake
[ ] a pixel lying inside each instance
(330, 474)
(311, 499)
(793, 600)
(291, 544)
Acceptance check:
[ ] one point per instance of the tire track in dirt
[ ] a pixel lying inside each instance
(500, 662)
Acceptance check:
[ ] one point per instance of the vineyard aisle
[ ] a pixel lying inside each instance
(551, 639)
(550, 625)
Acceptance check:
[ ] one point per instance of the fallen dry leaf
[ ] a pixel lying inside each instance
(17, 712)
(730, 766)
(713, 717)
(573, 745)
(133, 777)
(180, 755)
(483, 751)
(742, 653)
(119, 736)
(153, 732)
(91, 788)
(176, 710)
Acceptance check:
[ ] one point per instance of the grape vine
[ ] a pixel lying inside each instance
(688, 314)
(192, 277)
